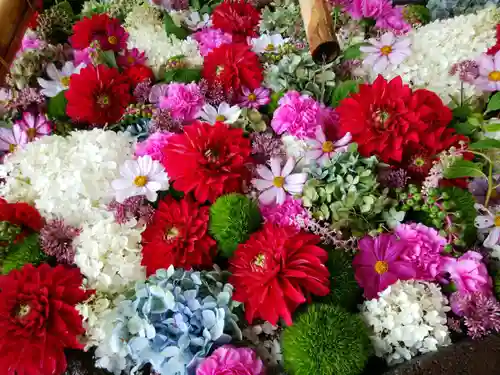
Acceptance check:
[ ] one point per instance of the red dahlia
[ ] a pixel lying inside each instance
(209, 160)
(22, 215)
(38, 319)
(276, 270)
(108, 32)
(234, 66)
(178, 236)
(237, 17)
(138, 73)
(390, 121)
(98, 95)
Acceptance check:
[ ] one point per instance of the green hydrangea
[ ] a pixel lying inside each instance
(326, 340)
(26, 251)
(251, 120)
(345, 192)
(441, 9)
(283, 17)
(233, 218)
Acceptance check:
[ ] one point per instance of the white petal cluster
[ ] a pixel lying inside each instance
(435, 47)
(67, 177)
(109, 254)
(147, 33)
(407, 319)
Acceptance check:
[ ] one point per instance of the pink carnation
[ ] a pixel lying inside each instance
(284, 214)
(211, 38)
(153, 146)
(183, 100)
(228, 360)
(386, 16)
(423, 247)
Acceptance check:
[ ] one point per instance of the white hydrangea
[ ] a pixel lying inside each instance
(147, 33)
(109, 254)
(67, 177)
(407, 319)
(437, 46)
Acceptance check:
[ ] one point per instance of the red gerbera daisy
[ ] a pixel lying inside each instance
(108, 32)
(237, 17)
(234, 66)
(390, 121)
(209, 160)
(178, 236)
(138, 73)
(98, 95)
(276, 270)
(38, 319)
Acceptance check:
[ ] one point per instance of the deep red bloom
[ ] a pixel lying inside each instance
(234, 66)
(138, 73)
(108, 32)
(390, 121)
(21, 214)
(33, 21)
(38, 319)
(209, 160)
(98, 95)
(237, 17)
(178, 235)
(493, 50)
(276, 270)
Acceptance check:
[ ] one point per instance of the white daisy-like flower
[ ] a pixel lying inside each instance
(386, 51)
(223, 113)
(143, 176)
(267, 43)
(489, 225)
(195, 21)
(59, 79)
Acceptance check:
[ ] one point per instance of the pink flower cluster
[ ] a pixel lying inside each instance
(386, 16)
(285, 214)
(183, 100)
(228, 360)
(153, 146)
(211, 38)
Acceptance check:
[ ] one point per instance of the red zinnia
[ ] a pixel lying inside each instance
(178, 236)
(38, 319)
(234, 66)
(390, 121)
(98, 95)
(209, 160)
(237, 17)
(276, 270)
(138, 73)
(108, 32)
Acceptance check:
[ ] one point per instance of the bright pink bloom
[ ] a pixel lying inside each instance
(382, 11)
(285, 214)
(322, 149)
(183, 100)
(210, 38)
(228, 360)
(11, 139)
(379, 264)
(153, 146)
(422, 248)
(34, 126)
(468, 273)
(254, 98)
(31, 41)
(131, 57)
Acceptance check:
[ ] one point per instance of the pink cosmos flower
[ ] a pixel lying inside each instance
(254, 99)
(131, 57)
(285, 214)
(322, 150)
(422, 247)
(379, 264)
(489, 72)
(228, 360)
(153, 146)
(11, 139)
(183, 100)
(210, 38)
(388, 50)
(277, 182)
(34, 126)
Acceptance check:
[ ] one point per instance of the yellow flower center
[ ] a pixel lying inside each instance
(270, 47)
(328, 146)
(381, 267)
(140, 181)
(279, 181)
(103, 101)
(220, 118)
(65, 81)
(31, 132)
(130, 60)
(497, 221)
(12, 147)
(171, 233)
(252, 97)
(113, 40)
(494, 75)
(260, 260)
(386, 50)
(419, 162)
(23, 310)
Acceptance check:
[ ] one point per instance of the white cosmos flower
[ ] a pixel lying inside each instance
(224, 113)
(268, 43)
(143, 176)
(195, 22)
(59, 79)
(489, 223)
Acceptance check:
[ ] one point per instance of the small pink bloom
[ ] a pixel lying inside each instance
(388, 50)
(210, 38)
(183, 100)
(254, 99)
(285, 214)
(322, 150)
(131, 57)
(153, 146)
(11, 139)
(228, 360)
(85, 56)
(386, 16)
(468, 273)
(34, 126)
(31, 41)
(489, 72)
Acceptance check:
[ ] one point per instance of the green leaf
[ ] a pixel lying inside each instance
(57, 106)
(186, 75)
(172, 28)
(108, 57)
(353, 52)
(492, 127)
(464, 128)
(464, 168)
(342, 91)
(494, 103)
(485, 144)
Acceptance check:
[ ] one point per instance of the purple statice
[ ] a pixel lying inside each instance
(215, 94)
(254, 98)
(265, 146)
(210, 38)
(25, 98)
(393, 178)
(56, 239)
(162, 121)
(480, 311)
(132, 208)
(479, 188)
(285, 214)
(468, 70)
(142, 91)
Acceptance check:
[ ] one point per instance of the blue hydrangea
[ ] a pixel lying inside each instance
(172, 321)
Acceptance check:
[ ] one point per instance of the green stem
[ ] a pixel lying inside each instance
(490, 184)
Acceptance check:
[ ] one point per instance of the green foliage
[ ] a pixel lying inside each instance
(464, 168)
(55, 24)
(8, 233)
(352, 52)
(172, 29)
(186, 75)
(283, 17)
(326, 340)
(416, 14)
(233, 218)
(26, 251)
(343, 90)
(494, 103)
(56, 108)
(251, 120)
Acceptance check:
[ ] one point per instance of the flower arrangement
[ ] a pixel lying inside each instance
(187, 190)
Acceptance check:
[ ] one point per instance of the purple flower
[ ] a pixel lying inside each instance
(34, 126)
(388, 50)
(56, 239)
(285, 214)
(184, 101)
(11, 139)
(468, 70)
(393, 178)
(210, 38)
(133, 207)
(422, 247)
(86, 56)
(265, 146)
(479, 188)
(379, 264)
(31, 41)
(254, 99)
(489, 72)
(322, 150)
(153, 146)
(131, 57)
(228, 360)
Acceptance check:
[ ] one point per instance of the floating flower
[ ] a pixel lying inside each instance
(228, 360)
(195, 21)
(108, 32)
(322, 150)
(276, 270)
(11, 139)
(184, 101)
(224, 113)
(34, 126)
(143, 176)
(131, 57)
(210, 38)
(237, 17)
(388, 50)
(489, 72)
(254, 98)
(489, 224)
(266, 43)
(276, 182)
(59, 79)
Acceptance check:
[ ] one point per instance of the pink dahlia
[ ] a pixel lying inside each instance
(210, 38)
(183, 100)
(228, 360)
(285, 214)
(386, 16)
(422, 248)
(35, 126)
(379, 264)
(153, 146)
